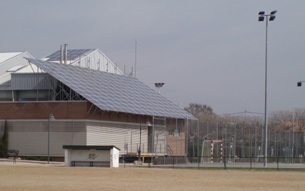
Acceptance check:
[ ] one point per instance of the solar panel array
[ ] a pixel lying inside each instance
(72, 54)
(113, 92)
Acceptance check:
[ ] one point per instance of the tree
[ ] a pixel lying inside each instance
(203, 113)
(206, 117)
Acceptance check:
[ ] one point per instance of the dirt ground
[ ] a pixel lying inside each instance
(55, 177)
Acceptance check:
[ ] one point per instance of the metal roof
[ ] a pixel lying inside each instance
(13, 62)
(72, 54)
(8, 55)
(88, 147)
(112, 92)
(30, 81)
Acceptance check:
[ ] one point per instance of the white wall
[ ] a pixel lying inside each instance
(36, 143)
(114, 157)
(97, 61)
(119, 137)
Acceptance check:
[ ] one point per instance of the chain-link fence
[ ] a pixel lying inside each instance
(225, 163)
(244, 141)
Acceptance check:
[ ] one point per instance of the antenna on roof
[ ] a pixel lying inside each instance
(61, 54)
(65, 53)
(131, 73)
(135, 60)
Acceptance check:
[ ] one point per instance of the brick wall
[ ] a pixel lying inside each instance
(64, 110)
(41, 110)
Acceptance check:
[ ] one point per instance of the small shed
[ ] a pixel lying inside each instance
(92, 155)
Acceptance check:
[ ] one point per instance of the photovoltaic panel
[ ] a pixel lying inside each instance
(72, 54)
(113, 92)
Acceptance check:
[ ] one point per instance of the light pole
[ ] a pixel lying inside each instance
(176, 135)
(51, 118)
(159, 85)
(148, 124)
(261, 17)
(139, 149)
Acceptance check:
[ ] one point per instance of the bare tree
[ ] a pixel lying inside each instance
(205, 115)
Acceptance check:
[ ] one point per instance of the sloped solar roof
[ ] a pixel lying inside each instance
(113, 92)
(72, 54)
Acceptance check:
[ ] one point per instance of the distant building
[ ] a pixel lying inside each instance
(91, 105)
(11, 63)
(87, 58)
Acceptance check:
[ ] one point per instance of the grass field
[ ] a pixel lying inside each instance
(56, 177)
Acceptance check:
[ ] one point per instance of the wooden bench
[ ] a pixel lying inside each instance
(10, 154)
(91, 163)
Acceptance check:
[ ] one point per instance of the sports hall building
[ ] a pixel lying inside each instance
(79, 97)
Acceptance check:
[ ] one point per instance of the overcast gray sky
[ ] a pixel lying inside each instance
(205, 51)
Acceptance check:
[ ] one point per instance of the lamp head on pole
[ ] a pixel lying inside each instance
(176, 133)
(261, 16)
(299, 84)
(148, 124)
(159, 85)
(51, 117)
(272, 15)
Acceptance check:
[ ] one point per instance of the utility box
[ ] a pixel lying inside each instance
(92, 155)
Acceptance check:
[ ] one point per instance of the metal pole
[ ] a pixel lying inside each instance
(135, 59)
(176, 136)
(225, 149)
(255, 143)
(234, 143)
(266, 118)
(187, 138)
(48, 140)
(217, 138)
(139, 151)
(197, 124)
(292, 150)
(250, 142)
(153, 138)
(51, 117)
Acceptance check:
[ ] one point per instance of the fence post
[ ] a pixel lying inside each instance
(173, 161)
(225, 162)
(199, 159)
(251, 162)
(277, 162)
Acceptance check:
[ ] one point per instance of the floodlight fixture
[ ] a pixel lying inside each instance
(299, 84)
(272, 15)
(148, 124)
(261, 16)
(159, 85)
